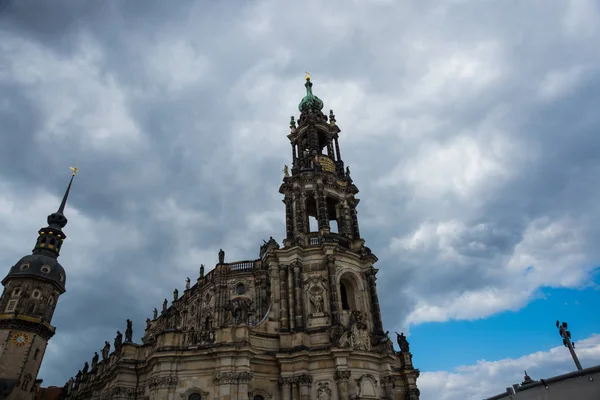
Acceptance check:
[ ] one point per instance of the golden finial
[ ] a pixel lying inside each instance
(307, 75)
(74, 169)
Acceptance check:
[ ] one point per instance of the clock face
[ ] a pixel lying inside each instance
(20, 339)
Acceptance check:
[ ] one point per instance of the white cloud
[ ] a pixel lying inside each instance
(461, 167)
(487, 378)
(79, 102)
(559, 83)
(550, 254)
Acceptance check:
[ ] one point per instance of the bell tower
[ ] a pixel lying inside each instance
(31, 291)
(320, 209)
(319, 193)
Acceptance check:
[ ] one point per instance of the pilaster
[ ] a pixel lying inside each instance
(341, 379)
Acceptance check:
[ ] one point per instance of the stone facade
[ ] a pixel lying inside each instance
(302, 321)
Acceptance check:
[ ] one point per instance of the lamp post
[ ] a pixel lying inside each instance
(566, 337)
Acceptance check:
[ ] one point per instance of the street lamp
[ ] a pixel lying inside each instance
(566, 337)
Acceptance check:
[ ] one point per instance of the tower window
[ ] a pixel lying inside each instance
(36, 294)
(344, 293)
(195, 396)
(348, 292)
(16, 292)
(50, 300)
(25, 384)
(240, 289)
(12, 305)
(24, 266)
(258, 397)
(35, 355)
(46, 269)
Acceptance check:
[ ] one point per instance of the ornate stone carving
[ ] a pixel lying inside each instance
(129, 332)
(341, 375)
(123, 392)
(105, 350)
(402, 343)
(317, 302)
(413, 394)
(305, 380)
(356, 336)
(388, 384)
(323, 391)
(158, 382)
(227, 378)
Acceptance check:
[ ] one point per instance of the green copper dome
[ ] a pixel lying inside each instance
(310, 101)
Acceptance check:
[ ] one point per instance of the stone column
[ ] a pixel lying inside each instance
(341, 379)
(305, 382)
(354, 217)
(283, 315)
(299, 199)
(243, 378)
(295, 388)
(330, 150)
(286, 388)
(161, 386)
(294, 156)
(337, 150)
(289, 218)
(387, 385)
(375, 310)
(321, 200)
(333, 297)
(290, 293)
(298, 292)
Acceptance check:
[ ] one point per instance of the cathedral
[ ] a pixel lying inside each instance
(301, 321)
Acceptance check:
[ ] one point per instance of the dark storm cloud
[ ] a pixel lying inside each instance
(196, 98)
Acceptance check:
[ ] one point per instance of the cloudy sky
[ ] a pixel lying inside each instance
(470, 127)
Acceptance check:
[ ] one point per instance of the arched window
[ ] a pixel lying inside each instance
(195, 396)
(348, 292)
(344, 293)
(258, 397)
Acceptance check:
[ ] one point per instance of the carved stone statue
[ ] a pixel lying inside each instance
(187, 283)
(165, 303)
(317, 302)
(347, 171)
(221, 256)
(78, 378)
(286, 171)
(118, 341)
(148, 323)
(105, 350)
(85, 369)
(155, 315)
(95, 361)
(129, 332)
(402, 343)
(175, 294)
(201, 270)
(323, 391)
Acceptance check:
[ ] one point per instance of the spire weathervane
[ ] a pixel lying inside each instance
(307, 75)
(74, 169)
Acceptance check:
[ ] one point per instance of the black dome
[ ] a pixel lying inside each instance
(40, 266)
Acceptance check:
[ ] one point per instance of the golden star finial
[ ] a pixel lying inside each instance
(307, 75)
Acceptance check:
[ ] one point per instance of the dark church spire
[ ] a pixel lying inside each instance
(51, 238)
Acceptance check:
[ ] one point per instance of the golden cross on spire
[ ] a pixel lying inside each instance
(74, 169)
(307, 75)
